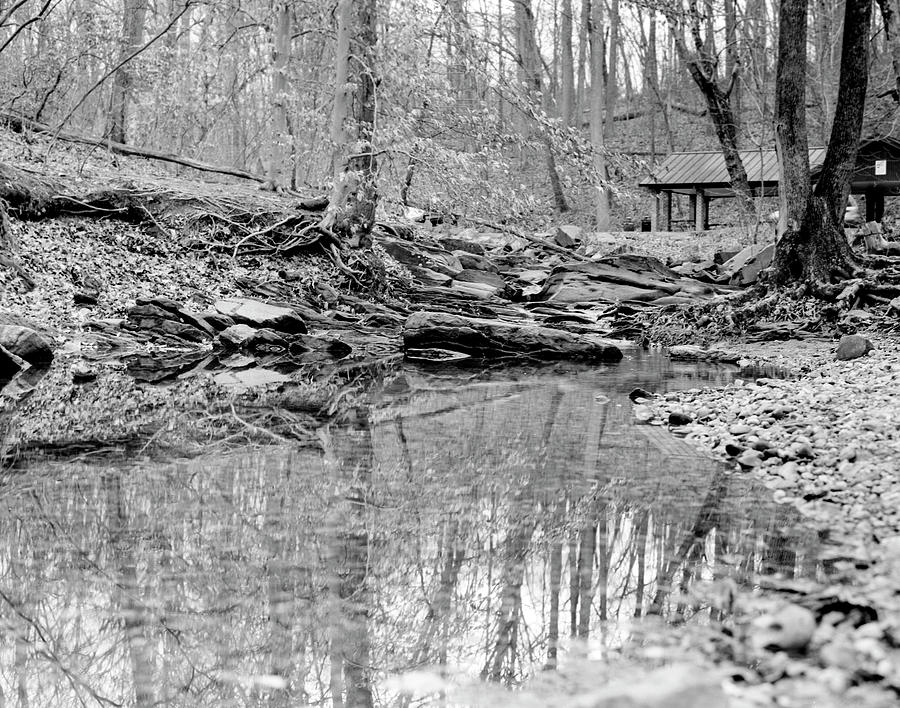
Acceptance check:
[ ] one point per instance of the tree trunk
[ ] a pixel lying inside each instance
(612, 87)
(598, 126)
(567, 107)
(732, 60)
(889, 16)
(530, 72)
(354, 196)
(703, 67)
(790, 110)
(132, 32)
(278, 134)
(816, 251)
(581, 80)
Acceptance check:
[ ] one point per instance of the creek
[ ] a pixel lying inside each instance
(488, 523)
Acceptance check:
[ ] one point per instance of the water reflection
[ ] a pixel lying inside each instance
(475, 520)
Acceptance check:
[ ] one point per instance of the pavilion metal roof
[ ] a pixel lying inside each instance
(685, 171)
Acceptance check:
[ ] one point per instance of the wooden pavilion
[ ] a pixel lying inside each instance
(702, 176)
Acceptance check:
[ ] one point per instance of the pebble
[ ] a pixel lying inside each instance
(678, 418)
(750, 458)
(832, 434)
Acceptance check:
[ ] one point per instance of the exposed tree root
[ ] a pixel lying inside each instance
(239, 224)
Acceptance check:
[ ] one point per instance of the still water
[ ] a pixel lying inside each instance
(481, 522)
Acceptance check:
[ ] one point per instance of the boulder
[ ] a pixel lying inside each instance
(494, 338)
(26, 344)
(853, 346)
(10, 364)
(259, 314)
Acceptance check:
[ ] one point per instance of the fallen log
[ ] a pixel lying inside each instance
(491, 339)
(20, 124)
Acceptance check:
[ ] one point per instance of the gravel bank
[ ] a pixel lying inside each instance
(826, 441)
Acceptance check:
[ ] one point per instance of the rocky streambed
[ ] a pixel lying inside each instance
(826, 441)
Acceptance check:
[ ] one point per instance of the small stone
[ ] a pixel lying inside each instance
(761, 445)
(848, 453)
(86, 297)
(639, 393)
(676, 418)
(802, 449)
(82, 373)
(750, 459)
(789, 471)
(739, 429)
(733, 449)
(853, 346)
(703, 413)
(642, 414)
(791, 627)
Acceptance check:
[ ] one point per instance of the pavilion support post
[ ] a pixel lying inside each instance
(874, 206)
(692, 208)
(700, 210)
(661, 217)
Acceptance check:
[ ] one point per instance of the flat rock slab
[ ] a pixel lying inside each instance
(617, 279)
(261, 314)
(487, 338)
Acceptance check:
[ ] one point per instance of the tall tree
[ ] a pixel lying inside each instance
(567, 66)
(598, 103)
(279, 132)
(703, 64)
(529, 60)
(354, 195)
(133, 17)
(812, 246)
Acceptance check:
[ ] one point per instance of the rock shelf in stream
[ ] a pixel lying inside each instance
(491, 339)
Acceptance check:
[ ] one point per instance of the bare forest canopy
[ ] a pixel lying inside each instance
(516, 108)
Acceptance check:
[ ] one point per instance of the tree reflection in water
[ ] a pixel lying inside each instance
(450, 521)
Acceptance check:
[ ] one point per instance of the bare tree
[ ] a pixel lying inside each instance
(530, 66)
(812, 246)
(351, 209)
(703, 64)
(598, 127)
(132, 31)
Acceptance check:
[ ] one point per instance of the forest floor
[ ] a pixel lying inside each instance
(825, 440)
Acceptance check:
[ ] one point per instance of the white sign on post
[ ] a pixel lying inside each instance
(880, 167)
